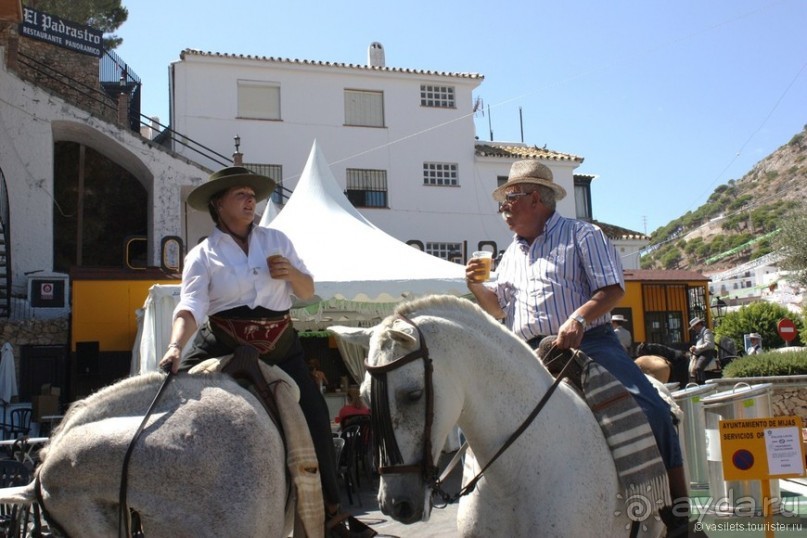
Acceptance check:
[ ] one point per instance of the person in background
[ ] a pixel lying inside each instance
(624, 336)
(703, 363)
(354, 406)
(756, 344)
(317, 375)
(562, 277)
(237, 288)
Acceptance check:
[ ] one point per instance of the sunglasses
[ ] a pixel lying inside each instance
(511, 197)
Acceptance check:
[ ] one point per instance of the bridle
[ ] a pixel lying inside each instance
(390, 459)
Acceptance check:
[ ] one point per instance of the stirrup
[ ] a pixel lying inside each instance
(343, 525)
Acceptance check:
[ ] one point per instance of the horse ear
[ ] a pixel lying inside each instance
(403, 333)
(354, 335)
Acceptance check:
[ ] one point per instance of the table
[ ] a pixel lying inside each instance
(50, 421)
(27, 445)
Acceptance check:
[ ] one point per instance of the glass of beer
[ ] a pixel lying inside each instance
(486, 259)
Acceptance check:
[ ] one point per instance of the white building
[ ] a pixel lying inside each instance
(401, 142)
(757, 280)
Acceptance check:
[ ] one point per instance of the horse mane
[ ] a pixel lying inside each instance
(436, 304)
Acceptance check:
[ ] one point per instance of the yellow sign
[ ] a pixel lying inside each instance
(762, 448)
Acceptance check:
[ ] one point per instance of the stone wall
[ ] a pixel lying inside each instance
(37, 332)
(70, 75)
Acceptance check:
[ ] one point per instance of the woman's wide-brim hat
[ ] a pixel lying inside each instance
(232, 176)
(529, 172)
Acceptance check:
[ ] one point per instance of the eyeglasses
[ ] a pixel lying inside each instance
(511, 197)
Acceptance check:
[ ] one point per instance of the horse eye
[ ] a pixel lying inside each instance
(414, 395)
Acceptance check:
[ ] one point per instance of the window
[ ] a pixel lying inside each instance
(500, 180)
(367, 188)
(437, 96)
(364, 108)
(274, 171)
(258, 100)
(447, 251)
(441, 174)
(582, 197)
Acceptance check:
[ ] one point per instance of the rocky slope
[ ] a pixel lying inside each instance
(740, 219)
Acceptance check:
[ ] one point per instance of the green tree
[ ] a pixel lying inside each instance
(761, 317)
(104, 15)
(791, 244)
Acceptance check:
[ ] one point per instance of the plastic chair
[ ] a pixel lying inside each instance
(14, 518)
(347, 468)
(19, 424)
(357, 457)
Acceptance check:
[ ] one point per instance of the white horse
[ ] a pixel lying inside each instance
(210, 462)
(557, 479)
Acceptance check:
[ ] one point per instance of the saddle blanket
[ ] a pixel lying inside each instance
(638, 463)
(301, 457)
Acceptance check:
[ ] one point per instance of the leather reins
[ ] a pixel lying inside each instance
(426, 466)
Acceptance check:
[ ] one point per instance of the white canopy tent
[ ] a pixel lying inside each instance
(360, 272)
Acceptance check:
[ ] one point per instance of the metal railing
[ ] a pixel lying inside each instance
(5, 219)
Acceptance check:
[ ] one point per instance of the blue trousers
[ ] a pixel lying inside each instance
(602, 346)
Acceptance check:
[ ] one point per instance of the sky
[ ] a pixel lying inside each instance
(664, 100)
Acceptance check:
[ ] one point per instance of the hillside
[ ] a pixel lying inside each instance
(740, 220)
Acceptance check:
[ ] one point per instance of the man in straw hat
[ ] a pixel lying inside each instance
(756, 344)
(240, 277)
(624, 336)
(562, 277)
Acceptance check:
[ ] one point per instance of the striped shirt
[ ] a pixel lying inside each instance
(540, 285)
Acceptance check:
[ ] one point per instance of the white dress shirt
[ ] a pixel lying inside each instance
(218, 275)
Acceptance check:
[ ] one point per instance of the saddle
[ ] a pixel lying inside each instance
(283, 396)
(243, 367)
(624, 425)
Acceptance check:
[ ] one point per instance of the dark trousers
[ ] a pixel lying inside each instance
(312, 402)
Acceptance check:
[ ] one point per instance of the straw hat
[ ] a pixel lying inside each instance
(530, 172)
(232, 176)
(618, 317)
(694, 321)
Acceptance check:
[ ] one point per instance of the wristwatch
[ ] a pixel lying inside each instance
(579, 319)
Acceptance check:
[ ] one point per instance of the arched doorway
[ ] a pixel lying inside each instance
(97, 206)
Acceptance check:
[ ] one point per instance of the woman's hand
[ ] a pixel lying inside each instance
(171, 358)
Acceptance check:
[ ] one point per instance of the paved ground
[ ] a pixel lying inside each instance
(443, 522)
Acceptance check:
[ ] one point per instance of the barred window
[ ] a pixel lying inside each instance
(274, 171)
(437, 96)
(440, 174)
(258, 100)
(447, 251)
(367, 188)
(364, 108)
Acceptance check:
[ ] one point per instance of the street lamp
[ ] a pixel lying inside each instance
(719, 308)
(238, 157)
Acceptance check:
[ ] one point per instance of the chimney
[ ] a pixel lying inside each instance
(375, 55)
